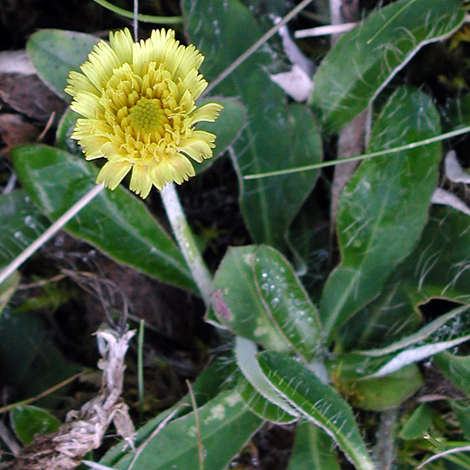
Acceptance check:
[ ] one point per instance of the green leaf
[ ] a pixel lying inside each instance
(276, 135)
(31, 362)
(55, 52)
(462, 412)
(456, 369)
(437, 268)
(256, 389)
(417, 424)
(260, 406)
(313, 450)
(416, 354)
(64, 131)
(115, 222)
(21, 223)
(7, 289)
(457, 113)
(287, 301)
(257, 295)
(374, 326)
(217, 377)
(438, 265)
(350, 372)
(383, 208)
(364, 60)
(451, 325)
(318, 403)
(27, 421)
(236, 302)
(225, 426)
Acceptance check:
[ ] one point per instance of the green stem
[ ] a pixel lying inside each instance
(186, 242)
(143, 18)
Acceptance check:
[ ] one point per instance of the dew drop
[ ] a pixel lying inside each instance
(29, 221)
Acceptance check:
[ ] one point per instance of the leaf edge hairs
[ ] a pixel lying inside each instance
(137, 102)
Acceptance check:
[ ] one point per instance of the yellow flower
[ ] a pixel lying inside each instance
(138, 106)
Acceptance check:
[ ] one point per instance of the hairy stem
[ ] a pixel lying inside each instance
(186, 242)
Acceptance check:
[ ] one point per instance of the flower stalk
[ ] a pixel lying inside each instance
(184, 236)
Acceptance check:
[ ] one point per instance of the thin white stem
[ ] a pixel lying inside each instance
(186, 242)
(365, 156)
(50, 232)
(136, 20)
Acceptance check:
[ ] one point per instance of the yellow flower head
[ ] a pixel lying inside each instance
(138, 106)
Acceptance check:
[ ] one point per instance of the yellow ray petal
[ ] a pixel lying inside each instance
(87, 104)
(113, 173)
(121, 42)
(141, 182)
(199, 146)
(78, 81)
(208, 113)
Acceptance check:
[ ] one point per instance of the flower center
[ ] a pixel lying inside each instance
(147, 116)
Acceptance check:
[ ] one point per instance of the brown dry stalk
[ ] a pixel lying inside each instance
(84, 429)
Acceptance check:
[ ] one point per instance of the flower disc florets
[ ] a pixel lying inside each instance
(138, 106)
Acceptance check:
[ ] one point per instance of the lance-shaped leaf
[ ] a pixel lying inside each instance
(446, 327)
(210, 383)
(256, 390)
(225, 425)
(417, 424)
(364, 60)
(55, 52)
(351, 375)
(313, 449)
(7, 289)
(21, 221)
(258, 296)
(384, 207)
(115, 222)
(287, 301)
(276, 135)
(317, 403)
(438, 267)
(27, 421)
(445, 332)
(236, 301)
(456, 369)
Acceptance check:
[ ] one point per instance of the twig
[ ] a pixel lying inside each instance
(50, 232)
(42, 394)
(140, 367)
(198, 426)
